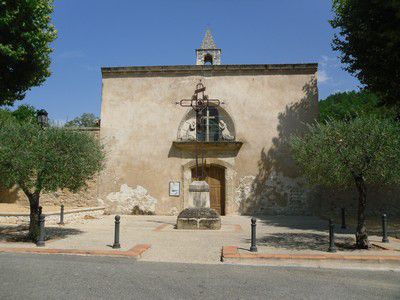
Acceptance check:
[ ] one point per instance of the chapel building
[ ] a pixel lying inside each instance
(153, 142)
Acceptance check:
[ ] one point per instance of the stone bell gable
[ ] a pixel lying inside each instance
(208, 53)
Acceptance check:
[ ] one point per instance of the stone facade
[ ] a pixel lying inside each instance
(146, 140)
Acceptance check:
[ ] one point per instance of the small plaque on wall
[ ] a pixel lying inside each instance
(174, 188)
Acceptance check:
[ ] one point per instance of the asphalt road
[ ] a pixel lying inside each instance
(32, 276)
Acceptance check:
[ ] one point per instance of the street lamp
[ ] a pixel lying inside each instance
(42, 118)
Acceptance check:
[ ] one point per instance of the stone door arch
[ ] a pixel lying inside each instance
(215, 177)
(227, 164)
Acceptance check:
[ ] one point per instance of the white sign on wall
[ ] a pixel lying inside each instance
(174, 188)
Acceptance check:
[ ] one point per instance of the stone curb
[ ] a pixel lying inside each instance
(231, 254)
(382, 247)
(66, 212)
(134, 252)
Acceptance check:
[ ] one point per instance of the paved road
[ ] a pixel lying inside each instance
(30, 276)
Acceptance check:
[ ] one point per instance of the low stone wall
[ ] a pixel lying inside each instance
(83, 198)
(53, 217)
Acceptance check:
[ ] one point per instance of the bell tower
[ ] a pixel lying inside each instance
(208, 53)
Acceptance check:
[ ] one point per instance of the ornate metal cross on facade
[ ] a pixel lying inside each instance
(200, 104)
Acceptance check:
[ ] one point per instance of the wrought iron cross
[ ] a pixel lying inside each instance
(200, 102)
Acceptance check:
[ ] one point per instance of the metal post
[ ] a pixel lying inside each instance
(384, 229)
(332, 247)
(62, 215)
(343, 218)
(42, 234)
(116, 233)
(253, 247)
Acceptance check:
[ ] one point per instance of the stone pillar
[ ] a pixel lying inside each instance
(199, 194)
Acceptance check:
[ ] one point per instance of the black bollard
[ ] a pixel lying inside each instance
(62, 215)
(332, 247)
(384, 229)
(42, 234)
(343, 218)
(253, 247)
(116, 233)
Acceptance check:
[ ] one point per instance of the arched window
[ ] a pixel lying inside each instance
(208, 59)
(215, 125)
(208, 130)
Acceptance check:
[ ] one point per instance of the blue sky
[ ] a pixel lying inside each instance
(96, 33)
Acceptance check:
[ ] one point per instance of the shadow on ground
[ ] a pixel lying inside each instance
(304, 241)
(301, 223)
(18, 233)
(374, 226)
(160, 222)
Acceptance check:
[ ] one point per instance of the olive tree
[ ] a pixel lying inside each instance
(364, 150)
(39, 160)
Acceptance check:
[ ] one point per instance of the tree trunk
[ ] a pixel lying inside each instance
(34, 216)
(361, 233)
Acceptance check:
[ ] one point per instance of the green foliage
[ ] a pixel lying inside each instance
(5, 114)
(85, 120)
(369, 42)
(336, 152)
(348, 105)
(25, 37)
(24, 113)
(46, 160)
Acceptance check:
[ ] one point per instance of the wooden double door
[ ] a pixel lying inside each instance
(215, 177)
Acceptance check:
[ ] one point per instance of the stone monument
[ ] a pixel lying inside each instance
(199, 214)
(199, 194)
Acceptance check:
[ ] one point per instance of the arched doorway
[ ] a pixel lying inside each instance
(215, 177)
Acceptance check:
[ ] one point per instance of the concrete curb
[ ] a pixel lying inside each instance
(134, 252)
(230, 254)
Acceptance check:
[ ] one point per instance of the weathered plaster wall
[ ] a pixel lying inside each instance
(140, 119)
